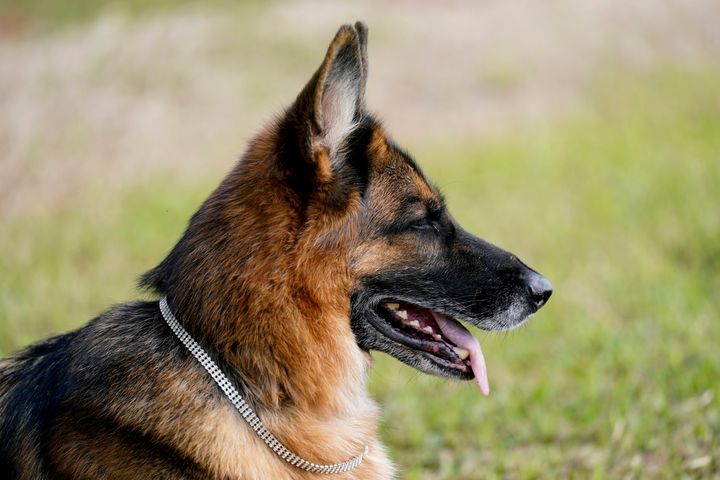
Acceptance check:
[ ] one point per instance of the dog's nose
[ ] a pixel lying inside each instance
(540, 289)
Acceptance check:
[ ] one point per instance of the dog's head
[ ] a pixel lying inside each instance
(325, 212)
(414, 269)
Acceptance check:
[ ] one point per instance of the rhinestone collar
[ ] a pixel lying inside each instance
(245, 411)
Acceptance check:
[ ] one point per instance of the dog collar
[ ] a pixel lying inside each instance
(245, 411)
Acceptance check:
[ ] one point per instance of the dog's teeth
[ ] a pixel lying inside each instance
(437, 337)
(402, 314)
(413, 323)
(461, 352)
(392, 306)
(428, 329)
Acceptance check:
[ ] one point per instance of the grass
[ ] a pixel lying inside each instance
(616, 377)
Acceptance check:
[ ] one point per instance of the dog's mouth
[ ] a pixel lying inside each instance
(441, 339)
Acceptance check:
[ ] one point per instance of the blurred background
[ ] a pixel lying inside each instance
(583, 136)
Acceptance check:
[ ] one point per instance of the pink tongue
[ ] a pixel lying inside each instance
(456, 333)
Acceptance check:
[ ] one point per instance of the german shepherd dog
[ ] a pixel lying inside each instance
(324, 242)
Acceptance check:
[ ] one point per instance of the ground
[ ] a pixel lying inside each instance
(583, 136)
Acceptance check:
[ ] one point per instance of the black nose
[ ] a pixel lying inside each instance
(540, 289)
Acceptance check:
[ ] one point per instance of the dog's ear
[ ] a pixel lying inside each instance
(331, 104)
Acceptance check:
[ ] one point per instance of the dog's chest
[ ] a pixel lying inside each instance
(230, 449)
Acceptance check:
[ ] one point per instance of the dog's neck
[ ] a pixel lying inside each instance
(264, 283)
(345, 420)
(285, 354)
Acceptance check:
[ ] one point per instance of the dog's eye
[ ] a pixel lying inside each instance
(424, 224)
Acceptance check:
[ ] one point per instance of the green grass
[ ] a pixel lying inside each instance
(617, 377)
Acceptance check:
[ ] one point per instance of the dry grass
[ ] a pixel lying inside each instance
(108, 100)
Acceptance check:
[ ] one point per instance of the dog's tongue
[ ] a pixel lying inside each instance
(459, 335)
